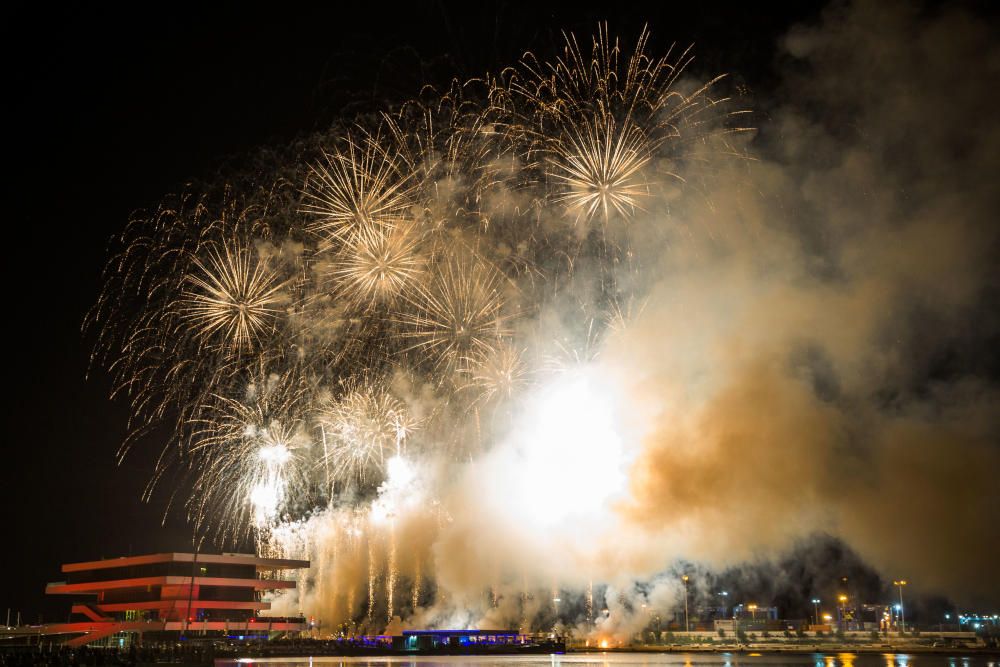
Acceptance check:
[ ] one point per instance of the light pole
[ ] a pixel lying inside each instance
(816, 602)
(842, 611)
(725, 607)
(687, 625)
(902, 613)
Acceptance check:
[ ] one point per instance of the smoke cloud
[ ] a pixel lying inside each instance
(813, 351)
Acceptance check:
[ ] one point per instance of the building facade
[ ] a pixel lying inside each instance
(171, 596)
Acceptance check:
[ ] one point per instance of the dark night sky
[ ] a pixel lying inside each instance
(112, 110)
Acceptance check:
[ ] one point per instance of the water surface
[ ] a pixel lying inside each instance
(637, 660)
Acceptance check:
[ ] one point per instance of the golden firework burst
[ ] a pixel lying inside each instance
(360, 430)
(382, 261)
(598, 163)
(498, 375)
(231, 297)
(356, 185)
(459, 313)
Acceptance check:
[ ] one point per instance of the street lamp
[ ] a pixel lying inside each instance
(687, 625)
(816, 602)
(841, 610)
(753, 611)
(724, 595)
(902, 613)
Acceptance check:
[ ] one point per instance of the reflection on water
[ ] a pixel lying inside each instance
(635, 660)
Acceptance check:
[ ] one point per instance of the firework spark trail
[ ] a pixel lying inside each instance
(590, 603)
(417, 581)
(371, 579)
(296, 331)
(231, 295)
(352, 592)
(598, 165)
(392, 573)
(357, 185)
(381, 263)
(459, 315)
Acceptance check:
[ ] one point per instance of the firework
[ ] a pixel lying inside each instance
(459, 314)
(355, 186)
(602, 118)
(499, 374)
(230, 297)
(381, 262)
(248, 450)
(301, 332)
(598, 167)
(360, 431)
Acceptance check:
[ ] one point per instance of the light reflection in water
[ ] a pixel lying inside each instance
(625, 659)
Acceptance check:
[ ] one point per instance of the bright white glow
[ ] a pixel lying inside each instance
(381, 512)
(265, 498)
(569, 459)
(267, 494)
(397, 493)
(399, 471)
(276, 455)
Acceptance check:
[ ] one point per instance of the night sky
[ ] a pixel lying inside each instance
(110, 111)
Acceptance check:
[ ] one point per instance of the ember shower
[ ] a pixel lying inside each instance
(522, 340)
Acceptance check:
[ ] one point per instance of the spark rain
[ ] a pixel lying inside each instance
(311, 339)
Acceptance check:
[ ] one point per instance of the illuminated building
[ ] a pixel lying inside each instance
(173, 596)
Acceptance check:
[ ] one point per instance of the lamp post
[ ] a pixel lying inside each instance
(842, 611)
(816, 602)
(687, 625)
(725, 607)
(902, 613)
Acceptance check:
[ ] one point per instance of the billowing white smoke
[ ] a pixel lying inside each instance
(807, 359)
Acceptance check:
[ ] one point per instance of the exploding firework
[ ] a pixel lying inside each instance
(231, 298)
(599, 167)
(248, 450)
(500, 374)
(459, 315)
(298, 338)
(360, 431)
(382, 261)
(601, 118)
(359, 184)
